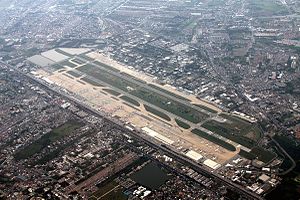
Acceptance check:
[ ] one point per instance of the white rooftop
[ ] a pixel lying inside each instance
(75, 51)
(211, 164)
(194, 155)
(40, 60)
(157, 136)
(54, 55)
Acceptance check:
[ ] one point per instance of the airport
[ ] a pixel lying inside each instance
(195, 128)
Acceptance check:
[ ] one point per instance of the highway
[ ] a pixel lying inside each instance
(140, 136)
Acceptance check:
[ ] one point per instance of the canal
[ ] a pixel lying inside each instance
(290, 187)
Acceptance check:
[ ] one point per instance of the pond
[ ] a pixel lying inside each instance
(151, 176)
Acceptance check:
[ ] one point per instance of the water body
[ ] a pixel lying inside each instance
(151, 176)
(290, 187)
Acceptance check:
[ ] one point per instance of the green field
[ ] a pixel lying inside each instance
(258, 153)
(100, 64)
(57, 67)
(63, 52)
(78, 61)
(104, 189)
(86, 79)
(114, 195)
(106, 77)
(247, 155)
(213, 3)
(157, 113)
(69, 76)
(130, 100)
(191, 23)
(169, 93)
(73, 73)
(54, 135)
(68, 64)
(229, 132)
(263, 154)
(85, 57)
(47, 157)
(182, 124)
(134, 78)
(266, 7)
(112, 92)
(109, 191)
(206, 108)
(131, 106)
(169, 104)
(235, 129)
(214, 140)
